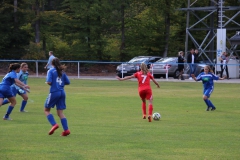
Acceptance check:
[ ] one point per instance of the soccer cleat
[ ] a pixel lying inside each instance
(53, 129)
(149, 119)
(65, 133)
(8, 119)
(144, 116)
(208, 109)
(213, 109)
(23, 111)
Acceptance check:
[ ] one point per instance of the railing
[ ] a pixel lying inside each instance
(96, 68)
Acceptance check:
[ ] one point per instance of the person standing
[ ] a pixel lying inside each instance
(144, 88)
(57, 79)
(49, 64)
(181, 61)
(207, 77)
(5, 91)
(192, 60)
(224, 61)
(23, 77)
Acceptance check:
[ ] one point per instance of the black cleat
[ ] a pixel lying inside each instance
(208, 109)
(213, 109)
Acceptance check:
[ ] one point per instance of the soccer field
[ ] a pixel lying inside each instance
(106, 122)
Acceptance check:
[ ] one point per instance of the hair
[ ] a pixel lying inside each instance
(144, 68)
(56, 63)
(23, 64)
(209, 68)
(13, 66)
(179, 53)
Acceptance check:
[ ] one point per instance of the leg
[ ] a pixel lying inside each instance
(24, 102)
(190, 65)
(221, 71)
(205, 98)
(1, 101)
(5, 101)
(226, 68)
(13, 102)
(64, 123)
(144, 108)
(51, 120)
(150, 109)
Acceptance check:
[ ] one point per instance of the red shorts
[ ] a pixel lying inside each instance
(146, 94)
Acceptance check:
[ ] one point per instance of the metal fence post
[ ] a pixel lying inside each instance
(36, 68)
(78, 69)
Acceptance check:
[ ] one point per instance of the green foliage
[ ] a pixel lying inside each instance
(13, 38)
(105, 121)
(99, 29)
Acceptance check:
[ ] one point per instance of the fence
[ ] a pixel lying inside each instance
(96, 68)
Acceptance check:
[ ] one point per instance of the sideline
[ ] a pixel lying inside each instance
(157, 79)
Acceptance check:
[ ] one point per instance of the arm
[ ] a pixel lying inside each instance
(21, 84)
(125, 78)
(156, 82)
(193, 76)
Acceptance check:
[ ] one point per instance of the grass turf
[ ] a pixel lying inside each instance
(106, 122)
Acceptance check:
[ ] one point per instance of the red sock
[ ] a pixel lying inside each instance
(150, 109)
(144, 108)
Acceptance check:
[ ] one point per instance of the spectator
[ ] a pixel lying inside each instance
(49, 64)
(191, 60)
(181, 61)
(224, 61)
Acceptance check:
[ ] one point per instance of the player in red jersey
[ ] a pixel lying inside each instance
(144, 88)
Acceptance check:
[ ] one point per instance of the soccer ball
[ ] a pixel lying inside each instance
(156, 116)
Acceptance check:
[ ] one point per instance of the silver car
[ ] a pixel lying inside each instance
(131, 67)
(165, 65)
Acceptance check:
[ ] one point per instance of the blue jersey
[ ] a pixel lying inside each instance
(8, 80)
(207, 79)
(23, 77)
(57, 84)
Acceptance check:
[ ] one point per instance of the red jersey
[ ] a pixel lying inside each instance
(143, 80)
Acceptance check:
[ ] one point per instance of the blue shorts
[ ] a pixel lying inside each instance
(207, 92)
(5, 92)
(56, 98)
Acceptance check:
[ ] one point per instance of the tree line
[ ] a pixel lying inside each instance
(103, 30)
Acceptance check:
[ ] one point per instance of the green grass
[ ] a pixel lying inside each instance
(106, 123)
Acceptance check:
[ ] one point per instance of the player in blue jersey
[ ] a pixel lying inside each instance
(207, 77)
(23, 77)
(5, 88)
(57, 79)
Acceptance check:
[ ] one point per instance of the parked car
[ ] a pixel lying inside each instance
(200, 66)
(167, 64)
(132, 66)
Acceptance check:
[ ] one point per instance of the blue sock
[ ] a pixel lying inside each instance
(207, 103)
(9, 111)
(24, 103)
(5, 101)
(64, 123)
(210, 103)
(51, 119)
